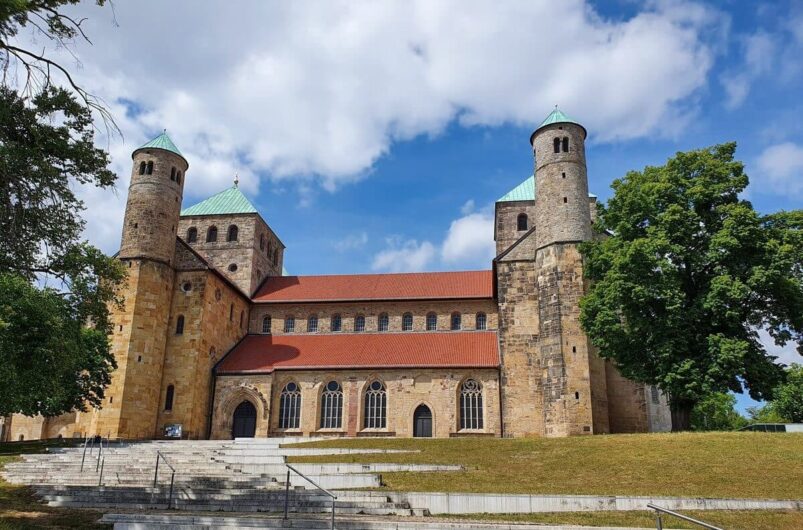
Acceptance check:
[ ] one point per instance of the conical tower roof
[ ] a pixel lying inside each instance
(557, 116)
(162, 141)
(229, 201)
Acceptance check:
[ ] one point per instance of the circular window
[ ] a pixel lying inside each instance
(376, 385)
(233, 267)
(218, 294)
(186, 287)
(332, 386)
(292, 387)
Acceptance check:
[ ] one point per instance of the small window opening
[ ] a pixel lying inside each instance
(192, 235)
(565, 144)
(180, 325)
(169, 397)
(564, 175)
(139, 358)
(577, 395)
(149, 170)
(231, 312)
(521, 222)
(233, 267)
(232, 234)
(556, 145)
(574, 349)
(211, 234)
(173, 173)
(142, 168)
(565, 200)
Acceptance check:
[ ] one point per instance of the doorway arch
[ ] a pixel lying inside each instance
(422, 422)
(245, 421)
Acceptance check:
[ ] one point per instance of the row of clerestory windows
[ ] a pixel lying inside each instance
(146, 168)
(232, 234)
(383, 322)
(375, 406)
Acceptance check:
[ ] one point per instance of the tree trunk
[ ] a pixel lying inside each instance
(681, 414)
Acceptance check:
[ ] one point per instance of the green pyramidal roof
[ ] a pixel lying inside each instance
(523, 192)
(163, 141)
(230, 201)
(557, 116)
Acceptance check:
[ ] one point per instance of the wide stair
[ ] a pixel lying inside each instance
(227, 476)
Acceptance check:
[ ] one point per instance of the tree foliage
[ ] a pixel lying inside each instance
(685, 276)
(717, 412)
(788, 397)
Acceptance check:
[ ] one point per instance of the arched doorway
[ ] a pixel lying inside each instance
(245, 420)
(422, 422)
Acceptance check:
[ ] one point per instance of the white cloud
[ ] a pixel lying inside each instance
(317, 91)
(351, 242)
(470, 241)
(468, 207)
(786, 354)
(781, 169)
(404, 256)
(759, 51)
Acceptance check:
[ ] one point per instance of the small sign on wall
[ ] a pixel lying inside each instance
(173, 430)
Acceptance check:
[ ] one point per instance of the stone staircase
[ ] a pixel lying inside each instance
(229, 476)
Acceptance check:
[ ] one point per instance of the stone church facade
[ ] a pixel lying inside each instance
(214, 341)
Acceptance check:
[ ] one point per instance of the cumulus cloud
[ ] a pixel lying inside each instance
(785, 354)
(781, 169)
(470, 241)
(759, 51)
(404, 256)
(318, 91)
(351, 242)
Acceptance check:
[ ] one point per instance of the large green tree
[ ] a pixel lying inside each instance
(788, 397)
(717, 412)
(683, 275)
(55, 289)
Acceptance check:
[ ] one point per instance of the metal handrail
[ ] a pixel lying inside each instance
(86, 440)
(659, 523)
(100, 453)
(159, 456)
(305, 477)
(102, 464)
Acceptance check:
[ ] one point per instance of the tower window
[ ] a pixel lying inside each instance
(564, 175)
(149, 169)
(565, 144)
(180, 325)
(565, 200)
(482, 321)
(173, 173)
(312, 324)
(382, 322)
(232, 233)
(178, 177)
(359, 323)
(337, 323)
(169, 397)
(142, 168)
(577, 395)
(231, 312)
(192, 235)
(556, 145)
(432, 321)
(233, 267)
(266, 324)
(407, 322)
(242, 314)
(211, 234)
(521, 222)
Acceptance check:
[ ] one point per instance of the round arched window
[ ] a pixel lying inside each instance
(233, 267)
(186, 287)
(291, 387)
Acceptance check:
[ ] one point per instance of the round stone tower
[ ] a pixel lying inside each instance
(562, 212)
(154, 201)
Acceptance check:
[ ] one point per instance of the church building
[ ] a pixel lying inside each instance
(216, 341)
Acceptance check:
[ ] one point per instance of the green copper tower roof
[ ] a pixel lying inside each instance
(556, 116)
(523, 192)
(163, 141)
(230, 201)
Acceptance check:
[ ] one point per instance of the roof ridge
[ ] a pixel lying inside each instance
(228, 201)
(418, 273)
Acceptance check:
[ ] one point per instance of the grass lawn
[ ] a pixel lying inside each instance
(737, 520)
(20, 509)
(741, 465)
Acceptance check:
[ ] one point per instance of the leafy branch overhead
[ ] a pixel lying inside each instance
(687, 277)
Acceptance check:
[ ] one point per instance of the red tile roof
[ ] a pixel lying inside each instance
(266, 353)
(351, 287)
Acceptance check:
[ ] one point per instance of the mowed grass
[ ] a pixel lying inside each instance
(19, 507)
(733, 465)
(732, 520)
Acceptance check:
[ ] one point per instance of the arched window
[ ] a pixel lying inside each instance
(337, 323)
(565, 144)
(178, 177)
(276, 255)
(432, 321)
(211, 234)
(556, 145)
(270, 249)
(359, 323)
(289, 324)
(482, 321)
(169, 397)
(312, 324)
(149, 169)
(231, 312)
(232, 233)
(290, 407)
(457, 321)
(383, 322)
(521, 222)
(266, 324)
(192, 235)
(261, 241)
(242, 314)
(407, 322)
(471, 405)
(173, 173)
(376, 403)
(332, 406)
(142, 168)
(180, 325)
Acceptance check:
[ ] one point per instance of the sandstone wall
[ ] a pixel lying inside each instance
(506, 230)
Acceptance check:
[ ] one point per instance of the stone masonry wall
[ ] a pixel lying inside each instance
(506, 230)
(406, 390)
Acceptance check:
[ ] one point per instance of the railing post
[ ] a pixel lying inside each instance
(333, 513)
(100, 454)
(170, 497)
(156, 473)
(287, 494)
(84, 457)
(658, 523)
(100, 480)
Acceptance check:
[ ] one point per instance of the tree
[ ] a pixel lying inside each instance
(717, 412)
(683, 275)
(788, 397)
(55, 289)
(765, 414)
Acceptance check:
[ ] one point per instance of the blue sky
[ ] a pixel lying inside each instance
(375, 136)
